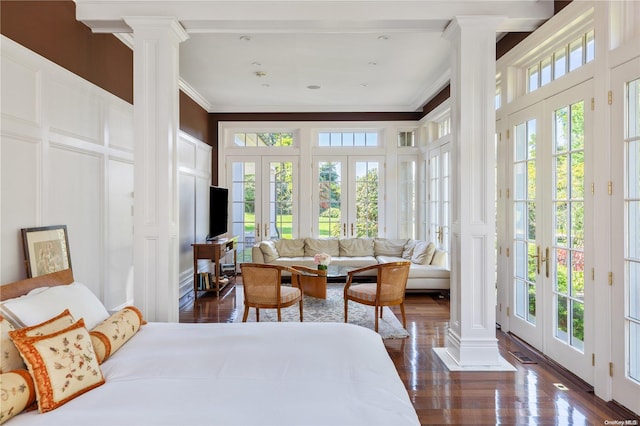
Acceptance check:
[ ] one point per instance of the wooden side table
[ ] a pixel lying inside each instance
(215, 251)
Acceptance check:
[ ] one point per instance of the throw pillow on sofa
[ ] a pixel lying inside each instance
(356, 247)
(290, 248)
(269, 251)
(407, 251)
(393, 248)
(313, 246)
(423, 253)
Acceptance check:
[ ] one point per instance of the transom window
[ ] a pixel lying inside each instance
(406, 138)
(564, 60)
(444, 127)
(334, 139)
(263, 139)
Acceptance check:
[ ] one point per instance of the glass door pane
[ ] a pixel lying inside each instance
(281, 201)
(243, 207)
(407, 199)
(568, 217)
(526, 251)
(329, 207)
(435, 233)
(366, 199)
(632, 225)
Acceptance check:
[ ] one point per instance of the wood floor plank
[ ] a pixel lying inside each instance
(526, 396)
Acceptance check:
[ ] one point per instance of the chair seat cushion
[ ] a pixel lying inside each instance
(266, 295)
(363, 292)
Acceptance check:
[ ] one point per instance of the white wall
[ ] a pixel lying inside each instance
(66, 158)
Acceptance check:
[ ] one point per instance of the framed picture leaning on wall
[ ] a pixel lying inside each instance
(46, 250)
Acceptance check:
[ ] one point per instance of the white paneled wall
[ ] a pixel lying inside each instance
(194, 162)
(66, 157)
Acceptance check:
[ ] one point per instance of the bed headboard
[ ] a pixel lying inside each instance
(18, 288)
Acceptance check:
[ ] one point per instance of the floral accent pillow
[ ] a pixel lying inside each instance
(59, 322)
(16, 388)
(62, 364)
(10, 358)
(115, 331)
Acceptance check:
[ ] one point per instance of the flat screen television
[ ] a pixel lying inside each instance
(218, 212)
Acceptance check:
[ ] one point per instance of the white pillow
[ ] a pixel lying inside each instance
(36, 308)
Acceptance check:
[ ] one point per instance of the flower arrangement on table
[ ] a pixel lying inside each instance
(322, 260)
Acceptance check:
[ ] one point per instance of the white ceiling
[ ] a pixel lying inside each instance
(263, 56)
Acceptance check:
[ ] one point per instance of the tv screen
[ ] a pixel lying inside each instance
(218, 211)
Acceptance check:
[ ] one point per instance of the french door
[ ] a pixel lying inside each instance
(263, 198)
(552, 297)
(348, 199)
(438, 197)
(625, 154)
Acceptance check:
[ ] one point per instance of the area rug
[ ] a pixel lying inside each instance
(331, 309)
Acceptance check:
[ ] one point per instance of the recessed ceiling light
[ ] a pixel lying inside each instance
(313, 87)
(256, 63)
(266, 85)
(364, 84)
(260, 73)
(245, 38)
(373, 63)
(383, 37)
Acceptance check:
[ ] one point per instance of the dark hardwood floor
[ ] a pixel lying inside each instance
(527, 396)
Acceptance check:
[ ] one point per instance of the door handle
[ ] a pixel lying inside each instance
(547, 260)
(352, 229)
(344, 229)
(258, 230)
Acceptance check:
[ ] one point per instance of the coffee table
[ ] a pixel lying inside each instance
(315, 286)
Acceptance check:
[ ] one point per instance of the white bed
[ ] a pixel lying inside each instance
(242, 374)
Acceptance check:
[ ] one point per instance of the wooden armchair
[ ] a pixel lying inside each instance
(263, 289)
(388, 290)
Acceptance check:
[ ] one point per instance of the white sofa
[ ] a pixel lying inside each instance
(427, 272)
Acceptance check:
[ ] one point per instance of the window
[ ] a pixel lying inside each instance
(568, 58)
(444, 127)
(335, 139)
(263, 139)
(406, 138)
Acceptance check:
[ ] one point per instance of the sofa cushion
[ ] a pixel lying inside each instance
(439, 258)
(384, 247)
(407, 251)
(269, 251)
(428, 271)
(423, 253)
(352, 247)
(313, 246)
(290, 248)
(355, 261)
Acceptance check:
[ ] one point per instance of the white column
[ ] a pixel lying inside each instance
(156, 116)
(471, 339)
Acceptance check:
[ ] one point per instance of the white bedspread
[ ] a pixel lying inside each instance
(242, 374)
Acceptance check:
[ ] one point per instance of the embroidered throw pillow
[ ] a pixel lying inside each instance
(10, 358)
(16, 388)
(62, 364)
(115, 331)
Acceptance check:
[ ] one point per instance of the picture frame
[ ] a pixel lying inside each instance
(46, 250)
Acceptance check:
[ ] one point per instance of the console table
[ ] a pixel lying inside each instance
(216, 251)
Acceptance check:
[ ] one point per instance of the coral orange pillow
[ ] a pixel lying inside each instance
(62, 364)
